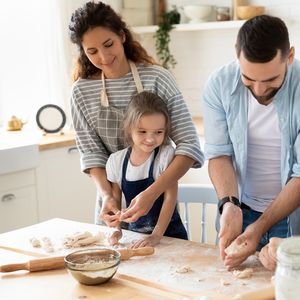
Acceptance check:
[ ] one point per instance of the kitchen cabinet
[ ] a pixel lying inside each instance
(18, 201)
(62, 189)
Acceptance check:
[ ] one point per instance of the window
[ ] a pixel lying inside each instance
(35, 57)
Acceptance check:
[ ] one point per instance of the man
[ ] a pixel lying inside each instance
(252, 121)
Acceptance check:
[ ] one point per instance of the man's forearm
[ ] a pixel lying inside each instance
(222, 175)
(284, 204)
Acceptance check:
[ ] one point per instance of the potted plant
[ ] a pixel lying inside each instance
(162, 36)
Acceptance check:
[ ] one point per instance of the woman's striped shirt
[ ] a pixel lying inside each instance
(95, 137)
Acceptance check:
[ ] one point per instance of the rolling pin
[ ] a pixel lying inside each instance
(57, 262)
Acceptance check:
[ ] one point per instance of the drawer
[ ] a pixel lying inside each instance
(18, 208)
(17, 180)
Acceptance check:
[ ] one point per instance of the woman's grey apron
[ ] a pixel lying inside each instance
(109, 123)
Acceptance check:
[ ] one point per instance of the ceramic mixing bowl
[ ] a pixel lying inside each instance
(197, 13)
(93, 266)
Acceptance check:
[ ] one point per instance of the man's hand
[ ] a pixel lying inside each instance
(230, 226)
(267, 255)
(110, 212)
(250, 239)
(138, 207)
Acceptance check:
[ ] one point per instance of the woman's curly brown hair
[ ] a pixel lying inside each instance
(92, 15)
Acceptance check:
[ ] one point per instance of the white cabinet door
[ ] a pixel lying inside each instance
(63, 191)
(18, 203)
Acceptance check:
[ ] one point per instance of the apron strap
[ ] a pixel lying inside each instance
(125, 162)
(136, 77)
(152, 163)
(103, 98)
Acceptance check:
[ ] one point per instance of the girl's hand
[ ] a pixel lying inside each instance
(115, 236)
(150, 240)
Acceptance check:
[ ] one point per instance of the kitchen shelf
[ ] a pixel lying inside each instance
(192, 26)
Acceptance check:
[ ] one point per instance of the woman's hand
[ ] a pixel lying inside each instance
(115, 236)
(110, 212)
(150, 240)
(267, 255)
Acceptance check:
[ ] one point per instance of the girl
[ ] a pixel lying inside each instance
(132, 170)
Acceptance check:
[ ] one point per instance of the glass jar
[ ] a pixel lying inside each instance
(287, 275)
(222, 13)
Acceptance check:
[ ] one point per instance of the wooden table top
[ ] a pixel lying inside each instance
(149, 277)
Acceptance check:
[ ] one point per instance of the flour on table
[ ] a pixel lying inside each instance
(199, 279)
(246, 273)
(184, 269)
(35, 242)
(224, 282)
(47, 244)
(234, 248)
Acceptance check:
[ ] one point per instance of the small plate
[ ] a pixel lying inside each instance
(51, 118)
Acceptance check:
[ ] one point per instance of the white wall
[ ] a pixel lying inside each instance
(198, 53)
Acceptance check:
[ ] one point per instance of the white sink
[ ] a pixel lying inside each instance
(18, 151)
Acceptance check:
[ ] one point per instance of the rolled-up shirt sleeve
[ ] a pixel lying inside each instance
(183, 131)
(217, 139)
(296, 155)
(92, 151)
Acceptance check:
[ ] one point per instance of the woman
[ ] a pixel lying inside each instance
(112, 67)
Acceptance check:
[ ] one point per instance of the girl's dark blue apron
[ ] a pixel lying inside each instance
(147, 223)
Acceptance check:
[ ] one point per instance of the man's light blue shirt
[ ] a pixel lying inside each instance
(226, 117)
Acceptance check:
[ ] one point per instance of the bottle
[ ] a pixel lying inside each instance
(287, 275)
(222, 13)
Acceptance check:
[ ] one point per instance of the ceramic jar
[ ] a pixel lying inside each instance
(287, 275)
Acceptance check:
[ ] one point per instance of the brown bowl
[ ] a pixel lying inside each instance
(249, 11)
(93, 266)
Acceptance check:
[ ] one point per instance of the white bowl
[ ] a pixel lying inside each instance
(197, 13)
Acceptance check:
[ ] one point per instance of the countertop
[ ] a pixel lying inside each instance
(56, 140)
(149, 277)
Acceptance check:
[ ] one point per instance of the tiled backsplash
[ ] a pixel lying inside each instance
(198, 53)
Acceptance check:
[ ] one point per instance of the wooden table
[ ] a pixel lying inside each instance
(149, 277)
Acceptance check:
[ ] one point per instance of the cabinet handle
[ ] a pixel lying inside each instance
(72, 149)
(8, 197)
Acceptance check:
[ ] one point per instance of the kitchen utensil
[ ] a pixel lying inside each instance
(93, 266)
(15, 124)
(57, 262)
